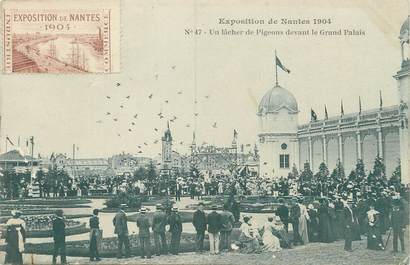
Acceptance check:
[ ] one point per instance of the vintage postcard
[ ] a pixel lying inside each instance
(61, 36)
(205, 132)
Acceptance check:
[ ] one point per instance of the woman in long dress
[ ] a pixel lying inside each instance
(249, 238)
(280, 232)
(374, 237)
(270, 241)
(303, 219)
(15, 238)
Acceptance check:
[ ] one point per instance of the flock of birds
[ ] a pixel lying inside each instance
(113, 116)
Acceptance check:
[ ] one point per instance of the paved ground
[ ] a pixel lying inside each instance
(311, 254)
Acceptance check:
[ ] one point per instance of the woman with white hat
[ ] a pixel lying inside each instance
(15, 238)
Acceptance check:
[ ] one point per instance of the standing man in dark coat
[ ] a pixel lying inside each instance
(159, 221)
(199, 222)
(227, 222)
(294, 219)
(121, 229)
(175, 227)
(236, 210)
(348, 222)
(178, 191)
(59, 237)
(214, 227)
(143, 226)
(95, 236)
(283, 212)
(398, 224)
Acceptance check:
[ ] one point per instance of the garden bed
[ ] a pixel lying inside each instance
(46, 201)
(69, 231)
(186, 217)
(109, 245)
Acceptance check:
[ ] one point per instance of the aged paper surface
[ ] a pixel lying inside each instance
(289, 119)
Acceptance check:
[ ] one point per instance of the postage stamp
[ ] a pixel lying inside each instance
(47, 36)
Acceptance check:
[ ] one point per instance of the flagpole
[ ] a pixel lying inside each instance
(276, 70)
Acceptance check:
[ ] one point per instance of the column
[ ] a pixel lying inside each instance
(359, 145)
(324, 149)
(380, 142)
(340, 147)
(310, 152)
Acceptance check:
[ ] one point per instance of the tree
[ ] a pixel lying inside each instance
(307, 174)
(339, 172)
(40, 178)
(305, 179)
(395, 179)
(323, 172)
(360, 172)
(379, 169)
(151, 179)
(140, 174)
(294, 174)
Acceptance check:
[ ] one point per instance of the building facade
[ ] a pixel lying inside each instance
(345, 138)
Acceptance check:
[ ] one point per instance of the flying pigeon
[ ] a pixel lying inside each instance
(166, 101)
(156, 141)
(214, 125)
(108, 113)
(207, 96)
(173, 67)
(135, 116)
(127, 97)
(196, 114)
(139, 146)
(129, 130)
(179, 92)
(122, 106)
(181, 143)
(115, 119)
(118, 84)
(145, 144)
(132, 123)
(139, 152)
(108, 97)
(155, 129)
(99, 121)
(150, 96)
(188, 125)
(156, 76)
(119, 135)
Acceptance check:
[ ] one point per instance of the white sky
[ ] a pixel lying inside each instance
(235, 72)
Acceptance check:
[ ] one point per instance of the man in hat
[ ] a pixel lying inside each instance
(398, 224)
(214, 227)
(199, 222)
(348, 222)
(159, 222)
(95, 236)
(227, 222)
(121, 229)
(143, 226)
(175, 227)
(59, 237)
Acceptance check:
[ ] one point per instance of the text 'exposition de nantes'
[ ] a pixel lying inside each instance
(273, 21)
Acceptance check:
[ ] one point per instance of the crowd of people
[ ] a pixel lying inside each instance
(298, 223)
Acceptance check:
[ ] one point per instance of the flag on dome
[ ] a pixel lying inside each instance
(279, 63)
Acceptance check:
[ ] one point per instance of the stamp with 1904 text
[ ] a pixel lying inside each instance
(48, 36)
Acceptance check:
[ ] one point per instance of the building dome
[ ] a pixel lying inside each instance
(277, 98)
